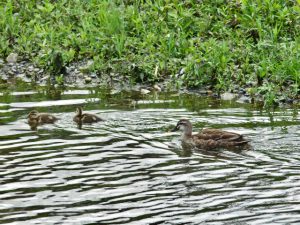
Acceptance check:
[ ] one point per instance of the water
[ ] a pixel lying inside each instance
(131, 170)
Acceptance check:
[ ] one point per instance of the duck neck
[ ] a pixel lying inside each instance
(79, 112)
(187, 133)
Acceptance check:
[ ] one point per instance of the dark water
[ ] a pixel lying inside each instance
(131, 170)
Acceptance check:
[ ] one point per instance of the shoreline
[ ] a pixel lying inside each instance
(78, 76)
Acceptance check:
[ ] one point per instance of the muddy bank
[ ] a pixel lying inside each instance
(74, 74)
(80, 75)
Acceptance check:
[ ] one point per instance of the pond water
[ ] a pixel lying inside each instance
(130, 169)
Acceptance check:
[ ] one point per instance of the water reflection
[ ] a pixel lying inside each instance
(53, 92)
(129, 169)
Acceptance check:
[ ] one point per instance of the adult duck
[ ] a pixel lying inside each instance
(210, 139)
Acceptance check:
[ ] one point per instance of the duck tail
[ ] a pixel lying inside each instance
(236, 144)
(243, 142)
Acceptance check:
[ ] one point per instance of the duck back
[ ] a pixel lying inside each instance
(90, 118)
(215, 134)
(46, 118)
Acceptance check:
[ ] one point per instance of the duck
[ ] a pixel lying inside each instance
(210, 139)
(36, 118)
(80, 117)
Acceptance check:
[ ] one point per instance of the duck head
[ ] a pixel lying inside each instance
(33, 119)
(79, 111)
(184, 125)
(33, 114)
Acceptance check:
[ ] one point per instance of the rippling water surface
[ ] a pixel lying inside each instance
(130, 169)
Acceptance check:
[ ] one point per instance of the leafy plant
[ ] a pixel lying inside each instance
(216, 42)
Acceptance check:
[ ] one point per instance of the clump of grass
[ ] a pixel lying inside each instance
(216, 42)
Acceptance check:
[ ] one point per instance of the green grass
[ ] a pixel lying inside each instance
(217, 42)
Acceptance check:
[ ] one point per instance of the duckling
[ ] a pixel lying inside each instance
(40, 118)
(209, 139)
(35, 118)
(80, 117)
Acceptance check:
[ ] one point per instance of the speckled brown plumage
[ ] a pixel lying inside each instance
(35, 118)
(80, 117)
(209, 139)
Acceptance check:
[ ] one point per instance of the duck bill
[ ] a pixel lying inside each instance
(175, 129)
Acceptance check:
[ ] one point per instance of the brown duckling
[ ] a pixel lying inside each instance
(41, 118)
(35, 118)
(209, 139)
(85, 117)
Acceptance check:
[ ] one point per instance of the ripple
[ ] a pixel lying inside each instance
(52, 103)
(130, 169)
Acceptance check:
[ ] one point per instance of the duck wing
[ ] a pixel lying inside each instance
(217, 135)
(210, 144)
(214, 138)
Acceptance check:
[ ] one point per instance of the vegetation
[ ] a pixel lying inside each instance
(221, 43)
